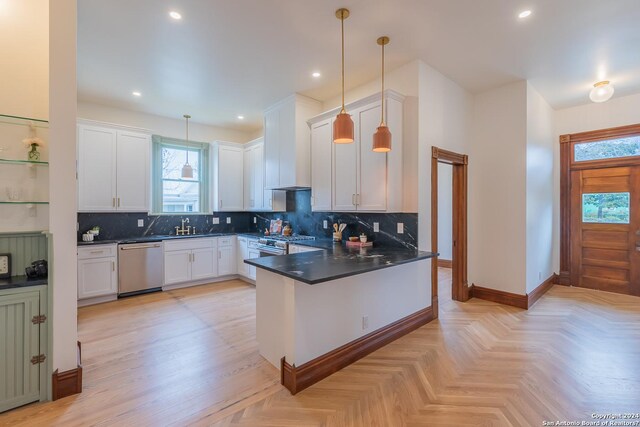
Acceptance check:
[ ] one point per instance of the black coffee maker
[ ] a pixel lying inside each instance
(37, 269)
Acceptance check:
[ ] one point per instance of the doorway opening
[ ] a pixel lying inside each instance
(458, 163)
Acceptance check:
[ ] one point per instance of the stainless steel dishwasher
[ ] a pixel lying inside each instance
(140, 268)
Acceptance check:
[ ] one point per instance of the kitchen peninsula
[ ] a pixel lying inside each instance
(318, 312)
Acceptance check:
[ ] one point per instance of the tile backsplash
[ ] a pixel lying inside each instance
(304, 221)
(298, 215)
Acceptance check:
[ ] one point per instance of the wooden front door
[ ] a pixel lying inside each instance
(605, 229)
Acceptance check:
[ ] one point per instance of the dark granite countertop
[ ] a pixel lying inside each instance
(336, 262)
(21, 282)
(154, 238)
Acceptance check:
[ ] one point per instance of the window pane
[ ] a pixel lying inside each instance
(180, 196)
(611, 208)
(610, 149)
(173, 159)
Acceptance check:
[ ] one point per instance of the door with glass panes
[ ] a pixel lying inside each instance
(605, 229)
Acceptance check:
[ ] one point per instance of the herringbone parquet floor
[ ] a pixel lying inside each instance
(189, 358)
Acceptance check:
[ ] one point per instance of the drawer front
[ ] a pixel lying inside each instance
(225, 241)
(252, 243)
(188, 244)
(98, 251)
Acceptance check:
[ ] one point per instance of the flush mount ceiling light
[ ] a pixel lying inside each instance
(316, 74)
(382, 137)
(241, 117)
(175, 15)
(343, 125)
(524, 14)
(136, 93)
(187, 170)
(602, 91)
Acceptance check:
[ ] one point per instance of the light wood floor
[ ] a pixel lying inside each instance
(189, 357)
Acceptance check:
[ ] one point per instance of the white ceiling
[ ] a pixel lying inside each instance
(226, 58)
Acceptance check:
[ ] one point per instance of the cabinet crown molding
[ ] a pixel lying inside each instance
(88, 122)
(295, 97)
(388, 94)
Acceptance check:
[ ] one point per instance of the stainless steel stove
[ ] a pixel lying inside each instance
(278, 244)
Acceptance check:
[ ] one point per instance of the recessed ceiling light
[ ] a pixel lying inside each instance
(240, 117)
(316, 74)
(136, 93)
(524, 14)
(175, 15)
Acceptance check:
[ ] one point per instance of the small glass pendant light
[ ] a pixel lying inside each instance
(343, 124)
(382, 137)
(187, 170)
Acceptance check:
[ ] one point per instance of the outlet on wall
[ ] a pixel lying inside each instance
(141, 223)
(228, 220)
(376, 227)
(365, 323)
(325, 225)
(216, 220)
(400, 228)
(255, 220)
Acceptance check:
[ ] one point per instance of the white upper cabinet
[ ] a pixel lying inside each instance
(351, 177)
(256, 198)
(113, 169)
(254, 176)
(227, 191)
(372, 179)
(132, 166)
(321, 146)
(287, 142)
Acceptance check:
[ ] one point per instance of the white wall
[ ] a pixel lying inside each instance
(540, 190)
(445, 211)
(24, 58)
(173, 128)
(445, 120)
(62, 182)
(619, 111)
(497, 189)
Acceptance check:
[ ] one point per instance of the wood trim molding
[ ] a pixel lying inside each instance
(67, 383)
(540, 290)
(594, 135)
(514, 300)
(450, 157)
(444, 263)
(460, 286)
(501, 297)
(297, 378)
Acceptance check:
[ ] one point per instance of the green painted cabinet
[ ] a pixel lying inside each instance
(23, 334)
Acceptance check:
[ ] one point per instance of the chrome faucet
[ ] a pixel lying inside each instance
(181, 231)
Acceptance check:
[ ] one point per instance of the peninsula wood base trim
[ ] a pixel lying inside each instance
(515, 300)
(445, 263)
(297, 378)
(67, 383)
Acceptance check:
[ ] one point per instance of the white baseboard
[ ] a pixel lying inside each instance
(97, 300)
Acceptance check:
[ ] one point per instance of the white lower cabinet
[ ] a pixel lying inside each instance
(187, 260)
(227, 256)
(252, 253)
(242, 253)
(97, 271)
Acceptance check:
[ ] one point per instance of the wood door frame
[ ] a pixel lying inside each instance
(460, 290)
(567, 165)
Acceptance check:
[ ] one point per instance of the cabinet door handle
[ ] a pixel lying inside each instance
(353, 200)
(113, 202)
(118, 201)
(193, 257)
(219, 255)
(113, 266)
(220, 203)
